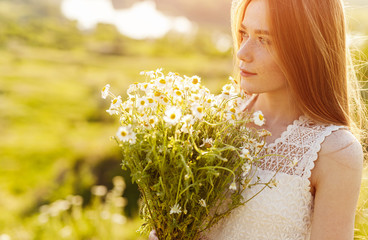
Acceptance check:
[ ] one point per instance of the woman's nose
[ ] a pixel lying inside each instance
(245, 51)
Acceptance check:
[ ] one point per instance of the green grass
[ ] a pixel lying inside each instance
(54, 131)
(54, 128)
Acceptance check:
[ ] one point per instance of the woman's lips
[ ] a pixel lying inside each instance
(245, 73)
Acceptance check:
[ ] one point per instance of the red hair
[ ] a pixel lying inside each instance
(309, 38)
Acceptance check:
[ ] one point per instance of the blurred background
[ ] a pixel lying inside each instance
(60, 175)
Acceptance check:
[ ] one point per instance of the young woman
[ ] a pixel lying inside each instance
(293, 61)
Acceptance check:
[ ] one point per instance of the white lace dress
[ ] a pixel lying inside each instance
(283, 212)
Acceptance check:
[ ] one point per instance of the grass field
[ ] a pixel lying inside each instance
(55, 133)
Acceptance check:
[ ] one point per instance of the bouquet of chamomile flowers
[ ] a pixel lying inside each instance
(188, 150)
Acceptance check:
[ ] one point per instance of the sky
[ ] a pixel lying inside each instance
(143, 20)
(140, 21)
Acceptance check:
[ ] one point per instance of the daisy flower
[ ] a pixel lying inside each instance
(105, 91)
(228, 90)
(230, 116)
(188, 119)
(210, 101)
(151, 101)
(245, 168)
(172, 115)
(244, 153)
(150, 74)
(186, 128)
(144, 86)
(132, 88)
(195, 80)
(152, 120)
(258, 118)
(161, 82)
(178, 94)
(164, 100)
(233, 186)
(115, 103)
(112, 111)
(128, 106)
(208, 142)
(260, 145)
(265, 133)
(142, 103)
(195, 97)
(175, 209)
(202, 202)
(197, 111)
(125, 134)
(157, 95)
(233, 81)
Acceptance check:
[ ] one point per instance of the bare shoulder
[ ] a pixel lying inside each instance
(341, 148)
(336, 180)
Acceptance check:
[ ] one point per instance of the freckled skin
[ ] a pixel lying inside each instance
(256, 53)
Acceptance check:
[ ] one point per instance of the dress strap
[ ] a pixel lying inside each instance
(312, 154)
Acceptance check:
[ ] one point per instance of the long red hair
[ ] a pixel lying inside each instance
(309, 37)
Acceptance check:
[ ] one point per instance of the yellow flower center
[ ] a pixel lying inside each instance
(172, 116)
(152, 121)
(232, 110)
(157, 94)
(260, 117)
(162, 81)
(123, 133)
(150, 100)
(200, 109)
(114, 101)
(143, 103)
(165, 99)
(195, 80)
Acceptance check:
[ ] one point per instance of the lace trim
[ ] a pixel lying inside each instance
(316, 148)
(295, 151)
(287, 132)
(285, 153)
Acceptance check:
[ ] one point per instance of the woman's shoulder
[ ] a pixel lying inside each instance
(343, 149)
(340, 161)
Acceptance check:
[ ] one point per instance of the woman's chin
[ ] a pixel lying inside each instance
(248, 90)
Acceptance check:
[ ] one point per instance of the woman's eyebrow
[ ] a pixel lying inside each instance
(257, 31)
(263, 32)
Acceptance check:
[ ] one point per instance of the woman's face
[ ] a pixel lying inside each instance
(259, 70)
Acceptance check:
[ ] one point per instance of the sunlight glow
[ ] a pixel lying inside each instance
(140, 21)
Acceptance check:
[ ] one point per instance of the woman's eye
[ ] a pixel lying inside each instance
(243, 34)
(263, 40)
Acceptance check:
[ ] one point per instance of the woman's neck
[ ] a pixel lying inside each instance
(278, 108)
